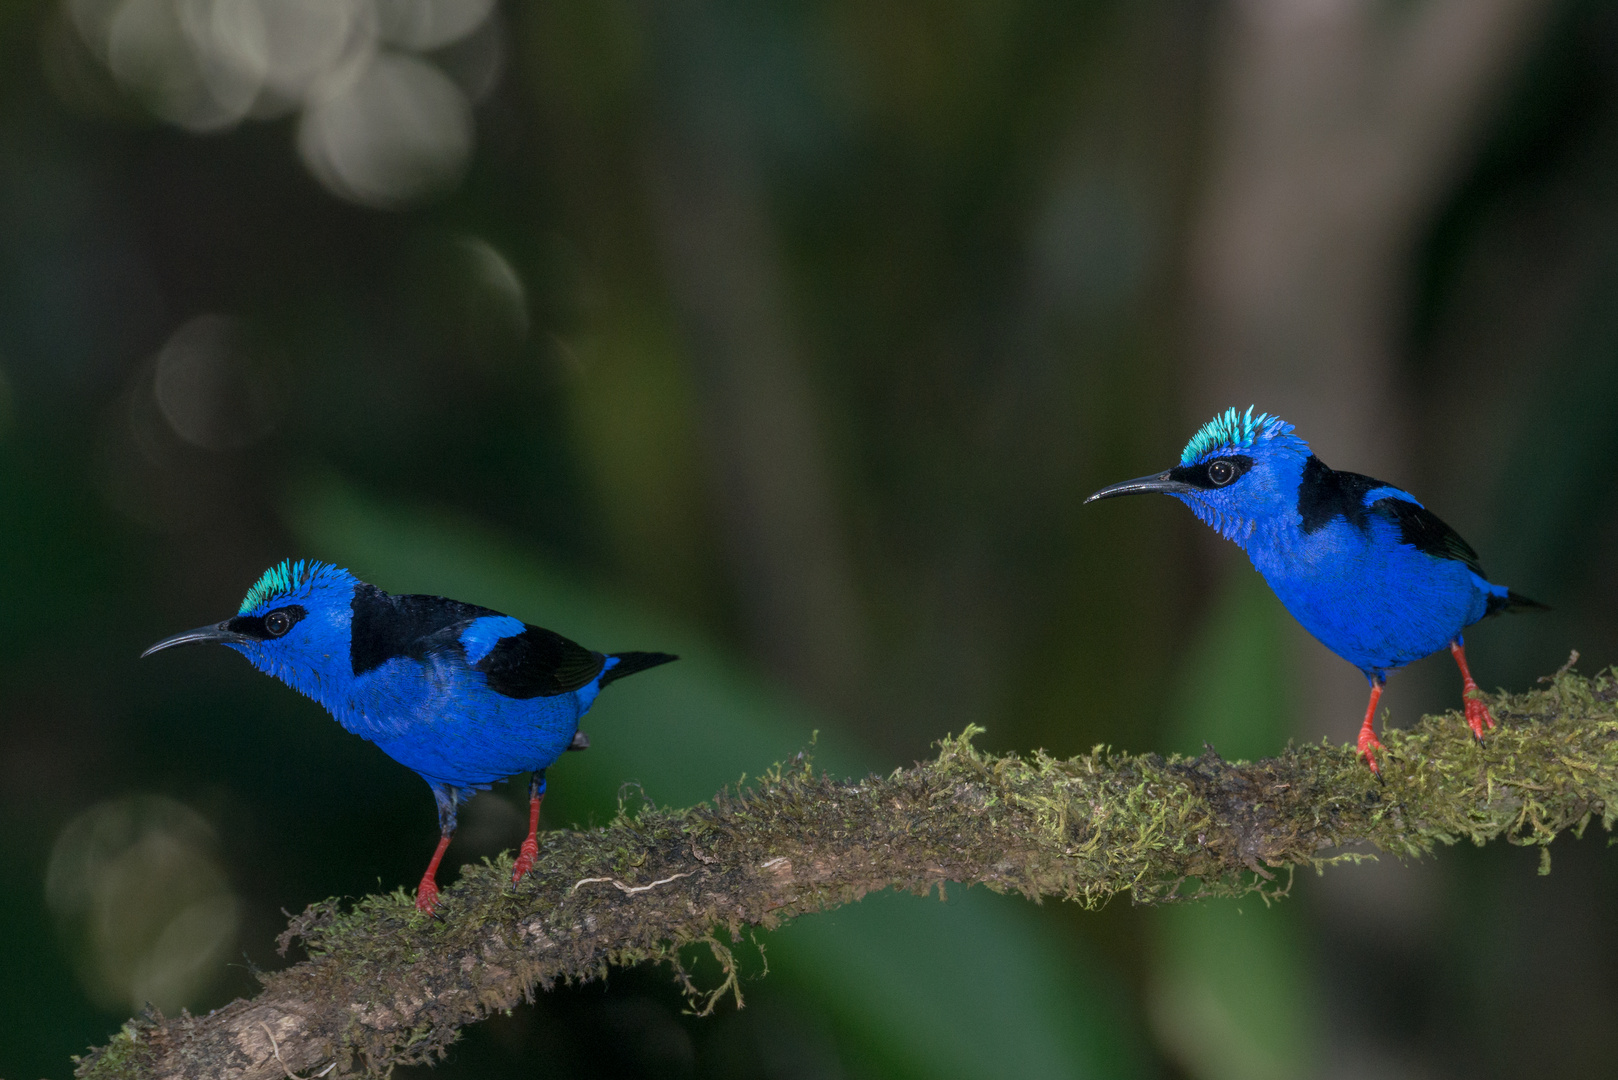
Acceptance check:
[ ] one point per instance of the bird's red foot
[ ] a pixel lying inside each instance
(525, 859)
(1368, 739)
(427, 891)
(530, 846)
(1477, 714)
(1368, 743)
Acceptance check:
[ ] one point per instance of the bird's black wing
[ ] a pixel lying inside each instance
(1422, 529)
(1425, 531)
(534, 663)
(539, 663)
(630, 663)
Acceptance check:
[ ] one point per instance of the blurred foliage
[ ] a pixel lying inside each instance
(971, 222)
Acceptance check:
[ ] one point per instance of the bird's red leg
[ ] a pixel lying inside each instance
(530, 847)
(1368, 739)
(447, 799)
(1477, 713)
(427, 891)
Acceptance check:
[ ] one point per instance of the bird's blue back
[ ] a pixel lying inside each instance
(463, 695)
(1366, 569)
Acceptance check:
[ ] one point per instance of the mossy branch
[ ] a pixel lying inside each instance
(385, 986)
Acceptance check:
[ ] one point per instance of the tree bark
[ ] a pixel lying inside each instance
(384, 986)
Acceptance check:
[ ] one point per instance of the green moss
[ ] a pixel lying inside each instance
(128, 1056)
(384, 985)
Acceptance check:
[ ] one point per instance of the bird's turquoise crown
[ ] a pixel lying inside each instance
(1232, 430)
(284, 579)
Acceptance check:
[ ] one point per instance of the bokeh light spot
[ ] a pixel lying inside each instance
(496, 303)
(304, 43)
(213, 387)
(430, 24)
(379, 127)
(398, 133)
(142, 902)
(163, 52)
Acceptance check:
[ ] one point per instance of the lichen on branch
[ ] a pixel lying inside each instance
(383, 985)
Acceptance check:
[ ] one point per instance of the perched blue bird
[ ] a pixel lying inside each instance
(1367, 569)
(461, 694)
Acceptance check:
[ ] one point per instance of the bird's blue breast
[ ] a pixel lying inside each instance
(1374, 601)
(1345, 568)
(439, 717)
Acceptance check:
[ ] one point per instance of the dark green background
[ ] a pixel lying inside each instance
(899, 162)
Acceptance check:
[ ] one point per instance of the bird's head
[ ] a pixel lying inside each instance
(1239, 471)
(292, 624)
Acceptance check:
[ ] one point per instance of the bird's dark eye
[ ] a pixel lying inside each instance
(277, 623)
(1221, 472)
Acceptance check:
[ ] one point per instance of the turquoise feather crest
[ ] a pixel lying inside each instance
(1232, 430)
(283, 579)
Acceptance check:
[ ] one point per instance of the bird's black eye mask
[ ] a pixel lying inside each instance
(270, 625)
(1218, 473)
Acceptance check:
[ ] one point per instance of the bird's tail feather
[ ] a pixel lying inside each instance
(630, 663)
(1513, 601)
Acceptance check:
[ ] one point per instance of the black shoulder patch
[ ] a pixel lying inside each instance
(386, 626)
(1325, 493)
(1423, 530)
(539, 663)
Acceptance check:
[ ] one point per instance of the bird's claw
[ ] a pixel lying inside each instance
(526, 855)
(426, 896)
(1369, 743)
(1477, 716)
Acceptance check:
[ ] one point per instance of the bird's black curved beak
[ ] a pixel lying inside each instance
(217, 632)
(1141, 485)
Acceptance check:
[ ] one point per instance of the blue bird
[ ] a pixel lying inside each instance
(1368, 570)
(461, 694)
